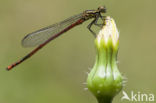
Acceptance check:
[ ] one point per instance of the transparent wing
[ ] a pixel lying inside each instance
(40, 36)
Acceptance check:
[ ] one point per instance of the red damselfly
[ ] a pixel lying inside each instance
(43, 36)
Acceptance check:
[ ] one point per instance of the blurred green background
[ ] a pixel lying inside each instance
(57, 72)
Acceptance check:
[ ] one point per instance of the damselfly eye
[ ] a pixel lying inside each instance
(102, 9)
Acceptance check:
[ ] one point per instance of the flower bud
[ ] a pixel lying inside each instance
(105, 80)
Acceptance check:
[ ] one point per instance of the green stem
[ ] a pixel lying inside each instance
(105, 100)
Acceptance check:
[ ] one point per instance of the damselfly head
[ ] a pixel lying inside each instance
(102, 9)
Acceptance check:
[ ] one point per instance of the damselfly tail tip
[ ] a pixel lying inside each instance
(9, 67)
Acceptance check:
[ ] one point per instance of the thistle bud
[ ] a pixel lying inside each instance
(105, 80)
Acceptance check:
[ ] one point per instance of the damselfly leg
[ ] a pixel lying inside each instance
(99, 16)
(96, 22)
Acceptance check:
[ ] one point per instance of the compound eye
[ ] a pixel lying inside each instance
(99, 8)
(102, 9)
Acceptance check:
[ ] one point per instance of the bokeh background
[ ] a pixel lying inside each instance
(57, 72)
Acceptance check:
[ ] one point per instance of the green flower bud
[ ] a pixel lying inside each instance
(105, 80)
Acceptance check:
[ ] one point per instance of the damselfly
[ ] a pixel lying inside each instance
(43, 36)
